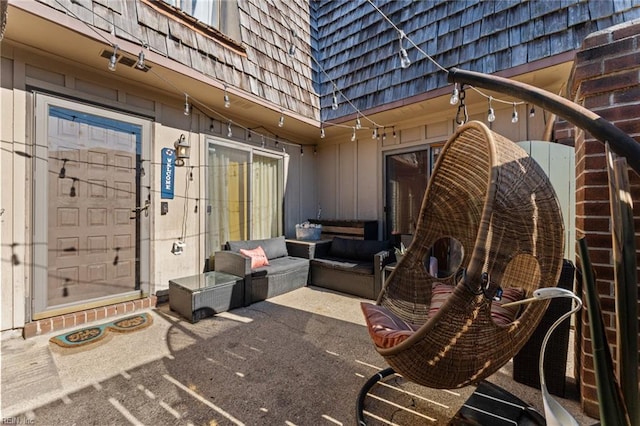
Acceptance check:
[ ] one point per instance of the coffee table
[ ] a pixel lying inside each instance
(206, 294)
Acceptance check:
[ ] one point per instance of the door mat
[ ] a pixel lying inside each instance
(96, 333)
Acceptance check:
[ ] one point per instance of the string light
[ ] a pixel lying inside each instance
(281, 121)
(532, 111)
(301, 152)
(229, 131)
(63, 171)
(514, 114)
(187, 107)
(249, 134)
(292, 46)
(491, 115)
(140, 62)
(358, 123)
(334, 102)
(227, 101)
(113, 59)
(262, 143)
(72, 191)
(455, 95)
(315, 150)
(374, 135)
(405, 62)
(322, 133)
(394, 132)
(353, 135)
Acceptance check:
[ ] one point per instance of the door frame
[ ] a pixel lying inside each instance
(38, 294)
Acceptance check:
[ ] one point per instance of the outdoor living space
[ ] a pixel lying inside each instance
(297, 359)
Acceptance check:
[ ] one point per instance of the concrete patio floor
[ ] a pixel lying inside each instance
(296, 359)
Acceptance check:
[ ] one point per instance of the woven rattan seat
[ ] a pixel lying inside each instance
(496, 201)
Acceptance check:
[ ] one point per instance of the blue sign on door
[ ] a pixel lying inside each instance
(167, 175)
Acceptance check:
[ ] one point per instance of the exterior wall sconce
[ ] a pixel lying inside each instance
(182, 150)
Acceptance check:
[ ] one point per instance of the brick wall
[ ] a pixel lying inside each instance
(606, 80)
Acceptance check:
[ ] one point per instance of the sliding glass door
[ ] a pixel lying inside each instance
(407, 175)
(245, 189)
(406, 178)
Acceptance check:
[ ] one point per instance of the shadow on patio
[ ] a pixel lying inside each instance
(297, 359)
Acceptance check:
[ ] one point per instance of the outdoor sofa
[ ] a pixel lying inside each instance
(351, 266)
(283, 273)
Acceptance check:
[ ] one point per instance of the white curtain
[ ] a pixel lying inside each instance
(227, 195)
(266, 206)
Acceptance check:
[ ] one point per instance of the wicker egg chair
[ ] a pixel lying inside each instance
(498, 204)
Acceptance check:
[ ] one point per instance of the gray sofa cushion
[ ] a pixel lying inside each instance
(356, 267)
(346, 248)
(273, 247)
(281, 265)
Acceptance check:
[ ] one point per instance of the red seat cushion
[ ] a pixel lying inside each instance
(385, 328)
(257, 255)
(499, 313)
(502, 315)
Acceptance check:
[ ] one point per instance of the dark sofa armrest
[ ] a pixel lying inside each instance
(322, 248)
(307, 249)
(235, 264)
(380, 260)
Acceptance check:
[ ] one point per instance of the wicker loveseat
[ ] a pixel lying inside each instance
(283, 274)
(351, 266)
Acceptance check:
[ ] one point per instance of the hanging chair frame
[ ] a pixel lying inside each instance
(601, 129)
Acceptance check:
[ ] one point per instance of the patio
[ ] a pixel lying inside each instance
(296, 359)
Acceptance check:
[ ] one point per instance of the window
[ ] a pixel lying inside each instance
(223, 15)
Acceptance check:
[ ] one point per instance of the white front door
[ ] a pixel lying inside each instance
(88, 199)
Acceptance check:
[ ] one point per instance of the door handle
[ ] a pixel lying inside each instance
(139, 209)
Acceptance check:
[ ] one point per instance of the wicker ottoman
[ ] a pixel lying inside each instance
(206, 294)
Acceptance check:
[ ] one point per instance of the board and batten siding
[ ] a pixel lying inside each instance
(558, 162)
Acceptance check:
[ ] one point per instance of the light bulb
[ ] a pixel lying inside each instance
(353, 135)
(281, 121)
(491, 116)
(113, 59)
(374, 135)
(455, 95)
(514, 115)
(229, 132)
(322, 134)
(404, 57)
(334, 103)
(187, 107)
(227, 101)
(532, 112)
(140, 63)
(405, 62)
(358, 124)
